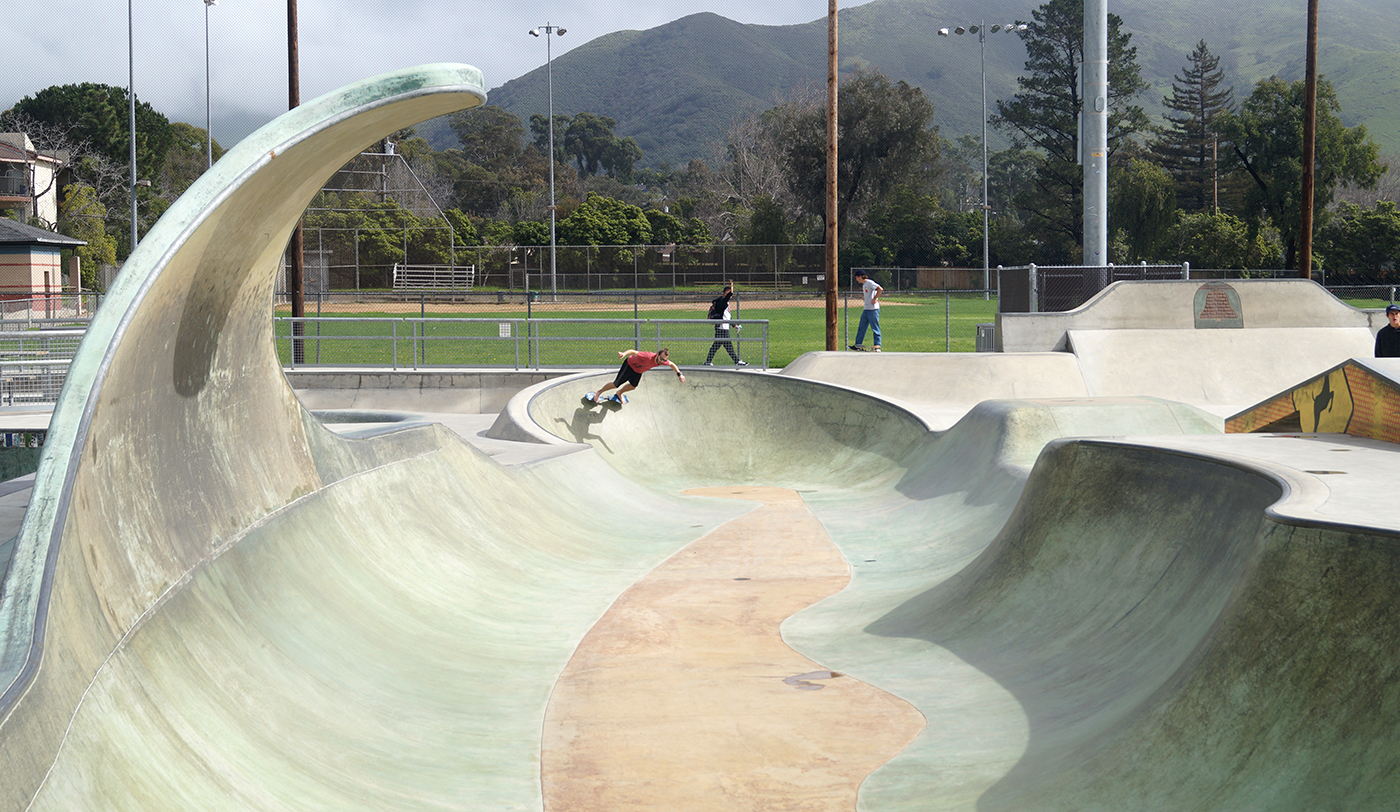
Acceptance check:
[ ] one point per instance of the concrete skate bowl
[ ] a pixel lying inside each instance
(201, 611)
(1122, 628)
(728, 428)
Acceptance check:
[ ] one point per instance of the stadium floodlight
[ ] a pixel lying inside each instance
(981, 31)
(208, 120)
(549, 61)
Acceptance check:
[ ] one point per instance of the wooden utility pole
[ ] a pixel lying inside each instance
(1305, 228)
(831, 167)
(295, 256)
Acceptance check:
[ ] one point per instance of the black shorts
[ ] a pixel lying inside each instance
(627, 375)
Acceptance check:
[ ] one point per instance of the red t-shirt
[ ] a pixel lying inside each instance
(642, 361)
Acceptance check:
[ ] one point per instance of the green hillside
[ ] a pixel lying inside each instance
(676, 88)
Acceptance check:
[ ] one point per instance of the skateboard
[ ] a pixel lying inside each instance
(592, 399)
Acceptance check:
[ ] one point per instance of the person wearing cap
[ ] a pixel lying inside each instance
(870, 314)
(1388, 338)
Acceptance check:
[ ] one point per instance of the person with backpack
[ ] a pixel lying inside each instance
(719, 311)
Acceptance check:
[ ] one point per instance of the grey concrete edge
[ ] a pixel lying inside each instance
(1300, 493)
(514, 422)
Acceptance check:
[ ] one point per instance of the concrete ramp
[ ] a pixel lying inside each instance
(1143, 633)
(1223, 370)
(176, 432)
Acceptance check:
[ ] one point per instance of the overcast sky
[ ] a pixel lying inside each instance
(341, 41)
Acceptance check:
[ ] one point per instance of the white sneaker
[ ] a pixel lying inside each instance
(709, 363)
(741, 363)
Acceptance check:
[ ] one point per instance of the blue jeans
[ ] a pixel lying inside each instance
(871, 319)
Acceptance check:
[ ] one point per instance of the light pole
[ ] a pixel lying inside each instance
(131, 108)
(549, 69)
(208, 125)
(981, 31)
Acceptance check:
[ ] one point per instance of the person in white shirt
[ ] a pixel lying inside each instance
(870, 315)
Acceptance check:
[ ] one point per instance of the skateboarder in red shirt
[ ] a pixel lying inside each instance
(629, 375)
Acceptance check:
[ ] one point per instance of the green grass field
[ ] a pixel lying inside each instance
(907, 325)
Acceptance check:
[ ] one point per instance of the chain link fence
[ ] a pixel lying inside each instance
(516, 343)
(339, 259)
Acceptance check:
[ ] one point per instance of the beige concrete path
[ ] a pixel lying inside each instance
(685, 697)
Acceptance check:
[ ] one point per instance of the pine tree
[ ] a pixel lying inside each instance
(1186, 147)
(1044, 116)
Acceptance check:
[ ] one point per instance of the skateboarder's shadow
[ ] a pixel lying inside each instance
(580, 427)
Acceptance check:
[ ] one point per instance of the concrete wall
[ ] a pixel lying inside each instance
(1172, 305)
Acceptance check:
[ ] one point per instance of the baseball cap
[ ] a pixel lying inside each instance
(1392, 308)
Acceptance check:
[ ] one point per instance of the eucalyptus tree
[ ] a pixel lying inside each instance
(885, 138)
(1142, 207)
(1265, 138)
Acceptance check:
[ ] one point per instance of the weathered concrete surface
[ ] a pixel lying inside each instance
(147, 471)
(729, 427)
(456, 391)
(733, 718)
(1141, 634)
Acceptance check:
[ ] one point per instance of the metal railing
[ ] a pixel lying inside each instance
(515, 343)
(34, 364)
(22, 309)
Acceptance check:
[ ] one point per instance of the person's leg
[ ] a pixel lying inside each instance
(622, 376)
(627, 380)
(720, 332)
(860, 330)
(723, 333)
(875, 326)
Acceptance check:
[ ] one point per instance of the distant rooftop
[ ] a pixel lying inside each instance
(15, 233)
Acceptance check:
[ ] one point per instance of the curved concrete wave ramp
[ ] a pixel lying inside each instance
(745, 592)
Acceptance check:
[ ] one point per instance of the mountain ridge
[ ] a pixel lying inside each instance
(676, 88)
